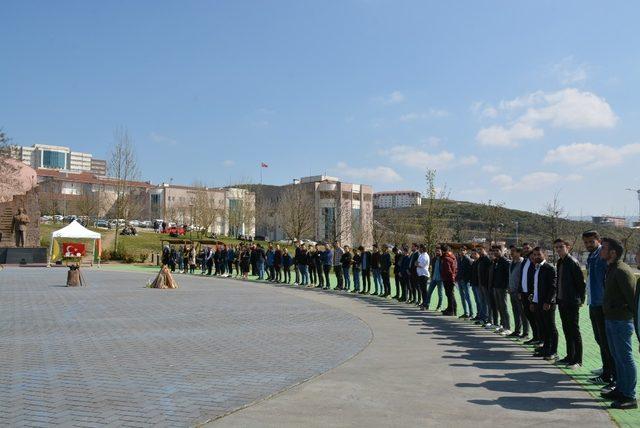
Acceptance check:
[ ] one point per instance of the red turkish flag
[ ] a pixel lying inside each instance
(73, 249)
(264, 165)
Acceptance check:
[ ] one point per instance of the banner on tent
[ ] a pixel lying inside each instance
(73, 249)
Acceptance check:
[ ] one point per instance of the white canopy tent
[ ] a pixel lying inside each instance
(77, 232)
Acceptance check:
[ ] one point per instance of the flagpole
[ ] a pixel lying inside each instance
(260, 174)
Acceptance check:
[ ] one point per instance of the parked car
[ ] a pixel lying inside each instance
(46, 218)
(58, 218)
(103, 223)
(147, 224)
(175, 230)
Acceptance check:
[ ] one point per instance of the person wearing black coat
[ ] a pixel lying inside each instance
(345, 263)
(397, 257)
(356, 262)
(571, 296)
(499, 286)
(484, 269)
(475, 287)
(366, 270)
(543, 301)
(385, 271)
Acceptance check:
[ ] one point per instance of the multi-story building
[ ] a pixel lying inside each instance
(87, 194)
(223, 211)
(44, 156)
(339, 211)
(397, 199)
(607, 220)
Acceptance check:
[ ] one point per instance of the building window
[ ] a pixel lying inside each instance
(155, 199)
(329, 215)
(51, 159)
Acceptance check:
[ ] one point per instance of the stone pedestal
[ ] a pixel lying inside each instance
(24, 255)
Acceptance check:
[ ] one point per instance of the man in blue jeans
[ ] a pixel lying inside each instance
(436, 280)
(619, 306)
(464, 279)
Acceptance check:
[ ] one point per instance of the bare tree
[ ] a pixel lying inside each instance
(8, 166)
(123, 168)
(207, 209)
(433, 225)
(89, 204)
(555, 214)
(295, 211)
(493, 218)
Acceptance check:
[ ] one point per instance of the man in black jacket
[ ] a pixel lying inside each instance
(464, 280)
(526, 291)
(499, 285)
(543, 302)
(413, 275)
(571, 295)
(484, 269)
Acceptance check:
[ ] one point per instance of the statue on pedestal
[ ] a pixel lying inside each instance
(19, 227)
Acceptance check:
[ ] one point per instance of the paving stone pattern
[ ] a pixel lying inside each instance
(118, 354)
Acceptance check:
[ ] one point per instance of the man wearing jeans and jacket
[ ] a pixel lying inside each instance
(619, 305)
(596, 268)
(464, 278)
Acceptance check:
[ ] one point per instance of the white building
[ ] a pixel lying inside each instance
(44, 156)
(397, 199)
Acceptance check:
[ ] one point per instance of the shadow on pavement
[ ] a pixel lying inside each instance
(479, 350)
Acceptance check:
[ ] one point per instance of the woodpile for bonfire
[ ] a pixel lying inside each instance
(164, 279)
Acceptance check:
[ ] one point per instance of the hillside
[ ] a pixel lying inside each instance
(466, 221)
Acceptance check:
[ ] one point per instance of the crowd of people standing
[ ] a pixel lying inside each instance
(488, 280)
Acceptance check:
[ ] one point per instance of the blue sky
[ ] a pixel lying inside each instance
(509, 101)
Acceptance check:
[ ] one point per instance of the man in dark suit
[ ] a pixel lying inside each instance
(413, 275)
(543, 302)
(526, 291)
(366, 270)
(571, 295)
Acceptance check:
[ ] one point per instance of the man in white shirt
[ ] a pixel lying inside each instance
(422, 270)
(526, 290)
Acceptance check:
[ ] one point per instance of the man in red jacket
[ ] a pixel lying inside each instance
(449, 270)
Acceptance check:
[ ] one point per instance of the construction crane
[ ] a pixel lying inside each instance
(638, 192)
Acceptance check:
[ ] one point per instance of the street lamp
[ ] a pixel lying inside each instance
(638, 192)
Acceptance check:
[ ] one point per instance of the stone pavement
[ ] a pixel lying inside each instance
(118, 354)
(422, 369)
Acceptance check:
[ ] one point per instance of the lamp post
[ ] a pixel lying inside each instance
(638, 192)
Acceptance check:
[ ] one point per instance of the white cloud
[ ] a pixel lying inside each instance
(417, 158)
(532, 181)
(569, 72)
(589, 153)
(228, 163)
(431, 113)
(395, 97)
(568, 108)
(498, 135)
(468, 160)
(484, 110)
(431, 141)
(162, 139)
(490, 168)
(378, 174)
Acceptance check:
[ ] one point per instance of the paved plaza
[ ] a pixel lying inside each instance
(234, 353)
(120, 354)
